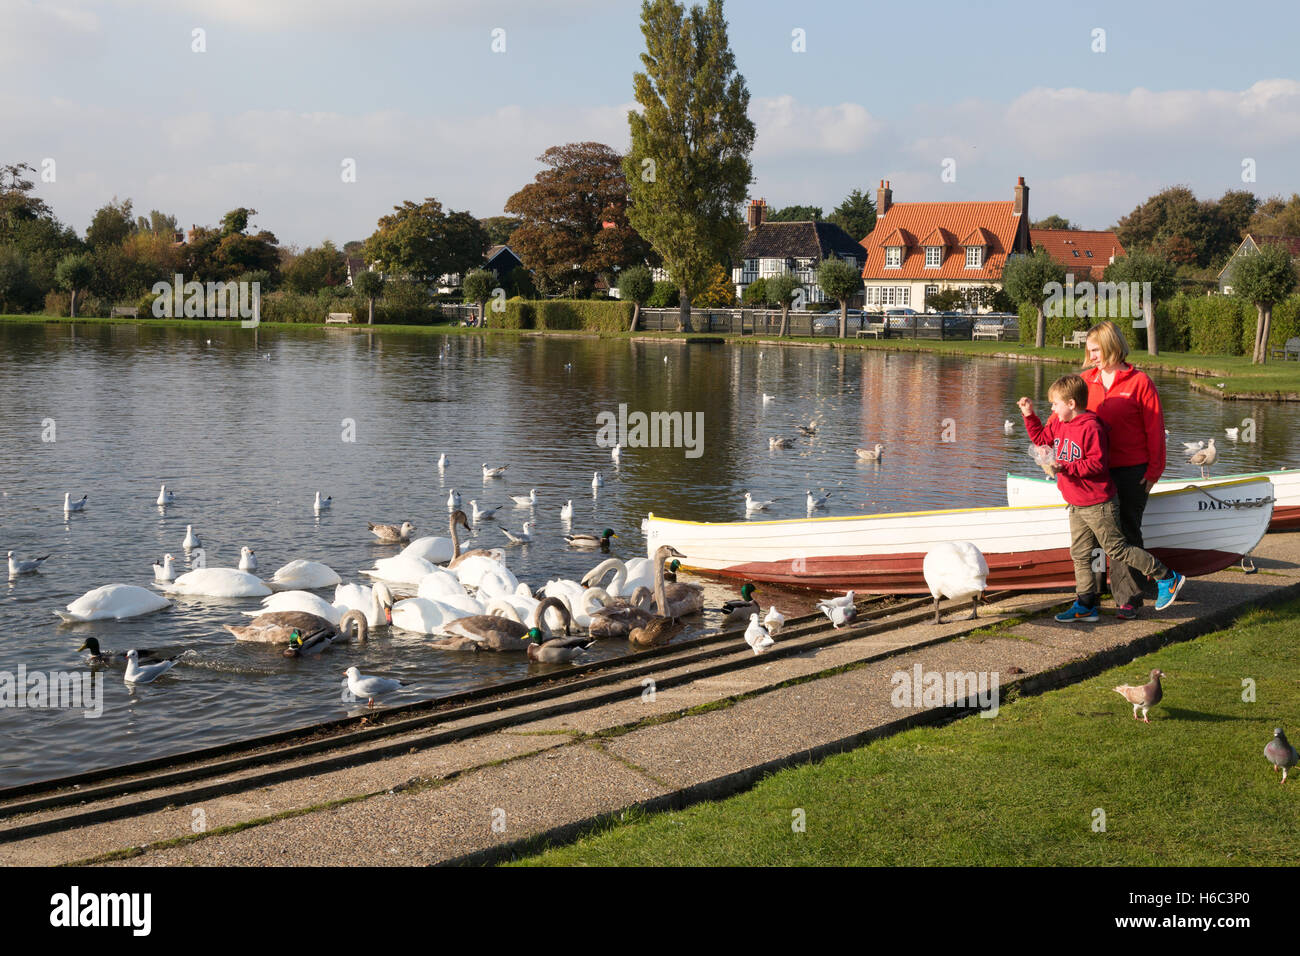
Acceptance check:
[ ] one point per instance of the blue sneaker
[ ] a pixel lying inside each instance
(1080, 614)
(1167, 589)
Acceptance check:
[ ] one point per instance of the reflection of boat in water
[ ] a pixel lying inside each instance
(1026, 546)
(1286, 489)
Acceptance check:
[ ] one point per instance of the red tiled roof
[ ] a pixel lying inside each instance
(978, 236)
(1061, 245)
(899, 237)
(996, 220)
(938, 237)
(1291, 242)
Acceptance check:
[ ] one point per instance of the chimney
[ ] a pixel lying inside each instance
(1022, 199)
(884, 198)
(756, 207)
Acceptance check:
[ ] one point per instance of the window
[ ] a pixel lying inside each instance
(933, 257)
(887, 295)
(974, 257)
(1076, 253)
(903, 293)
(893, 257)
(1088, 253)
(930, 290)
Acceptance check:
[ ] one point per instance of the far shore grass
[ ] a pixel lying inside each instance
(1029, 787)
(1240, 379)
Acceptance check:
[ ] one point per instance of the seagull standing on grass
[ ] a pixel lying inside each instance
(371, 687)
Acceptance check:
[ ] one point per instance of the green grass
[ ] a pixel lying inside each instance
(1191, 789)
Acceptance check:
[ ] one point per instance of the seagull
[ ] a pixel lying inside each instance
(1009, 427)
(1146, 696)
(493, 472)
(1280, 753)
(818, 504)
(191, 539)
(391, 532)
(768, 399)
(165, 497)
(371, 687)
(665, 359)
(871, 454)
(753, 505)
(809, 430)
(774, 443)
(568, 366)
(566, 513)
(322, 503)
(166, 571)
(69, 505)
(442, 462)
(1192, 447)
(136, 673)
(482, 514)
(1205, 456)
(597, 481)
(756, 636)
(453, 500)
(523, 537)
(525, 501)
(617, 454)
(774, 621)
(1232, 433)
(247, 559)
(17, 567)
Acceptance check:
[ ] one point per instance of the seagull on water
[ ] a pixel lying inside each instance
(453, 500)
(137, 673)
(817, 504)
(70, 506)
(17, 567)
(753, 505)
(191, 539)
(523, 537)
(493, 472)
(165, 497)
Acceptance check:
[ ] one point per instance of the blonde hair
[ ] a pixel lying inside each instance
(1111, 341)
(1070, 388)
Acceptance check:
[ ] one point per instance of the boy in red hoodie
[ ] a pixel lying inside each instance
(1081, 466)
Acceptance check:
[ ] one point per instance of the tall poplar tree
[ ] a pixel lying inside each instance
(688, 170)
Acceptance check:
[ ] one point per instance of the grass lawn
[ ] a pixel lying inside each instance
(1193, 788)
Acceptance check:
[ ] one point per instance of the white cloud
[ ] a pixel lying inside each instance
(787, 126)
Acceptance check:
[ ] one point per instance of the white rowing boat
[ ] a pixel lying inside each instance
(1022, 490)
(1026, 547)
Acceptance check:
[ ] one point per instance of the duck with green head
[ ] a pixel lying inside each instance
(558, 650)
(590, 540)
(738, 612)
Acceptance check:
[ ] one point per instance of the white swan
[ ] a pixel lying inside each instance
(247, 559)
(165, 497)
(191, 539)
(165, 571)
(218, 583)
(435, 550)
(400, 570)
(423, 616)
(956, 570)
(373, 602)
(303, 601)
(438, 584)
(305, 576)
(70, 506)
(472, 569)
(322, 503)
(570, 592)
(115, 602)
(617, 587)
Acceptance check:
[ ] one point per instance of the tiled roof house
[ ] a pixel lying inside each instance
(770, 248)
(1081, 251)
(1250, 245)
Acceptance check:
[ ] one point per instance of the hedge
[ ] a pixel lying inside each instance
(519, 314)
(584, 314)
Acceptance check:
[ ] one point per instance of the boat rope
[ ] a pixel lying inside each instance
(1266, 500)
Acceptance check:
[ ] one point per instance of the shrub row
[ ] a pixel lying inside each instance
(589, 315)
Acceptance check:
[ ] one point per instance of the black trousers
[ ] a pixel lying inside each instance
(1126, 584)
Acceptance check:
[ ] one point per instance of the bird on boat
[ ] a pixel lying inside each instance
(1192, 447)
(322, 503)
(17, 567)
(557, 650)
(756, 635)
(775, 443)
(1145, 696)
(1280, 753)
(1009, 427)
(482, 514)
(525, 501)
(102, 658)
(870, 454)
(753, 505)
(137, 673)
(247, 559)
(817, 503)
(597, 480)
(191, 539)
(165, 497)
(70, 506)
(1206, 456)
(1232, 433)
(774, 621)
(523, 537)
(453, 500)
(166, 571)
(591, 540)
(955, 570)
(566, 512)
(369, 687)
(808, 430)
(738, 612)
(392, 532)
(493, 472)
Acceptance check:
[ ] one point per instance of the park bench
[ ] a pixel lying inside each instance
(1287, 351)
(124, 311)
(1076, 340)
(342, 318)
(988, 329)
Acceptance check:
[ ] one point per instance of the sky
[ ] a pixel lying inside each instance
(195, 107)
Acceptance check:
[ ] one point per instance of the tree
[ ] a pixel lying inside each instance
(688, 168)
(1264, 278)
(43, 242)
(781, 288)
(1027, 278)
(1276, 217)
(720, 293)
(477, 287)
(945, 300)
(664, 296)
(499, 228)
(856, 215)
(18, 293)
(111, 224)
(755, 293)
(796, 214)
(1141, 267)
(635, 285)
(370, 285)
(236, 221)
(158, 223)
(74, 272)
(17, 204)
(1053, 222)
(318, 267)
(841, 281)
(422, 242)
(1185, 230)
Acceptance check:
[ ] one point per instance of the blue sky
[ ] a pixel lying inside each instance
(412, 91)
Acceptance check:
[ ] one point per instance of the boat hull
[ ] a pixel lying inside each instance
(1026, 547)
(1023, 490)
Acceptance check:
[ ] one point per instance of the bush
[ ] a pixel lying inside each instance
(1285, 325)
(519, 314)
(665, 296)
(60, 303)
(586, 314)
(1216, 326)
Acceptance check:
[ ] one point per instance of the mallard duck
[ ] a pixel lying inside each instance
(558, 650)
(17, 567)
(738, 612)
(102, 658)
(591, 540)
(774, 443)
(353, 623)
(391, 532)
(656, 631)
(670, 572)
(279, 627)
(677, 599)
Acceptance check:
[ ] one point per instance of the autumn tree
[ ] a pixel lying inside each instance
(1276, 217)
(688, 168)
(500, 228)
(421, 242)
(720, 293)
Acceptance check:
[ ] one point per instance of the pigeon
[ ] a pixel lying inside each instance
(756, 636)
(371, 687)
(774, 443)
(839, 616)
(453, 500)
(774, 621)
(1009, 427)
(493, 472)
(753, 505)
(70, 506)
(1232, 433)
(137, 673)
(1205, 456)
(523, 537)
(1280, 753)
(322, 503)
(17, 567)
(191, 539)
(871, 454)
(1146, 696)
(816, 504)
(165, 497)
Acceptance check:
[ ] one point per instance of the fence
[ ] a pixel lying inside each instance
(811, 324)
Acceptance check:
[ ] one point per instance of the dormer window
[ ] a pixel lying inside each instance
(1088, 253)
(1076, 253)
(933, 257)
(893, 257)
(974, 257)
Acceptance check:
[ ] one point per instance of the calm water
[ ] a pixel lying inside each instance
(245, 442)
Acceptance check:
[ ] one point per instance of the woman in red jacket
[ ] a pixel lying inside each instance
(1125, 399)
